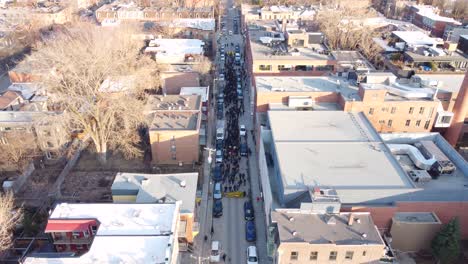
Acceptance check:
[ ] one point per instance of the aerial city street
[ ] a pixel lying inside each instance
(234, 131)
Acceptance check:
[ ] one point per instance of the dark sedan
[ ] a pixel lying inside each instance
(248, 211)
(250, 233)
(217, 208)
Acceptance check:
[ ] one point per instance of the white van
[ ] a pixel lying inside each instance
(252, 255)
(215, 252)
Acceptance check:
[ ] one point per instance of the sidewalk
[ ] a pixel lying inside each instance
(255, 183)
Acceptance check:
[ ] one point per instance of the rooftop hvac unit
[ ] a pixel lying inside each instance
(419, 175)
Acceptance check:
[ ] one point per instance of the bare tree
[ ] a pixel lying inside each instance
(83, 58)
(204, 67)
(344, 33)
(18, 151)
(9, 217)
(460, 9)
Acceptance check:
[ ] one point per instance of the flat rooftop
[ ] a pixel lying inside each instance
(174, 120)
(22, 117)
(332, 148)
(328, 228)
(454, 56)
(176, 46)
(203, 92)
(296, 84)
(352, 58)
(416, 217)
(173, 103)
(445, 82)
(152, 188)
(263, 52)
(122, 219)
(416, 38)
(307, 84)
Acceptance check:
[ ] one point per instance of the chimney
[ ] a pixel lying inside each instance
(350, 219)
(459, 109)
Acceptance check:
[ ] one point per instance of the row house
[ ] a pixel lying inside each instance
(151, 13)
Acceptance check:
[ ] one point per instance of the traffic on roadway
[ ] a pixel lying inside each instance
(238, 233)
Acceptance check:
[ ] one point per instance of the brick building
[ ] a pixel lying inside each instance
(427, 17)
(268, 53)
(309, 237)
(378, 173)
(390, 105)
(132, 12)
(174, 128)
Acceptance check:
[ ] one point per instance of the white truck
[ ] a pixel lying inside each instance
(220, 129)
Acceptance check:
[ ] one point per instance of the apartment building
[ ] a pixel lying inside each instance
(174, 128)
(49, 136)
(309, 237)
(88, 233)
(162, 188)
(427, 17)
(268, 52)
(291, 13)
(44, 14)
(122, 11)
(420, 104)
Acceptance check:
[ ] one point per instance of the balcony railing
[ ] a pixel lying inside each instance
(66, 240)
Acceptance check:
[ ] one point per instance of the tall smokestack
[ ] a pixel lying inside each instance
(460, 109)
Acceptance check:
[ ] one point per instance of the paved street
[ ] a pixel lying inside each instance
(229, 229)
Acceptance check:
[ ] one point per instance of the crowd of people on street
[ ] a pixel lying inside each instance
(233, 179)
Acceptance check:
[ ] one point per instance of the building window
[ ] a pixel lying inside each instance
(265, 67)
(381, 122)
(294, 255)
(418, 123)
(79, 247)
(313, 255)
(411, 110)
(349, 255)
(426, 125)
(408, 123)
(371, 111)
(393, 110)
(384, 109)
(431, 111)
(389, 123)
(76, 234)
(93, 230)
(333, 255)
(364, 253)
(421, 110)
(86, 233)
(446, 119)
(324, 68)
